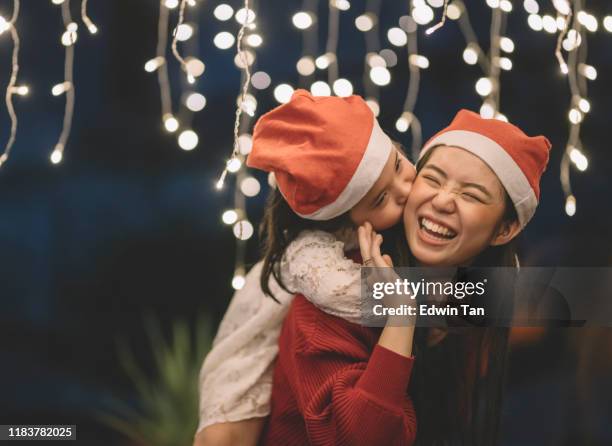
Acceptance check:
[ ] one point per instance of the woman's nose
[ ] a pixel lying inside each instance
(443, 201)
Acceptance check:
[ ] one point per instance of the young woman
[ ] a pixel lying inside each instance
(336, 382)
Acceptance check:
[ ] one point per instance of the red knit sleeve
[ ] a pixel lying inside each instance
(349, 390)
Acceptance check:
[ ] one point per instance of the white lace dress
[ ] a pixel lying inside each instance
(236, 377)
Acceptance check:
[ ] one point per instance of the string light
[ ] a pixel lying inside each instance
(188, 139)
(282, 93)
(11, 88)
(223, 12)
(195, 102)
(91, 27)
(69, 37)
(320, 88)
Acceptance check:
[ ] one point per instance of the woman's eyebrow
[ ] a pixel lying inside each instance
(480, 187)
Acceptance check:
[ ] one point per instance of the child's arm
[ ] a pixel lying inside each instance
(315, 266)
(236, 377)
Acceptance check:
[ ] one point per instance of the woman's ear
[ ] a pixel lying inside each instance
(506, 232)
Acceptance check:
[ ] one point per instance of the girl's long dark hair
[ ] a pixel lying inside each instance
(279, 228)
(457, 385)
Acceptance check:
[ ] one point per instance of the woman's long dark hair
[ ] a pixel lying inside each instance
(279, 228)
(457, 385)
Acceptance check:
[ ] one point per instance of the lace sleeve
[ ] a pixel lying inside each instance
(314, 265)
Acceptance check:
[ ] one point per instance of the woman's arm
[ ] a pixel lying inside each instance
(346, 392)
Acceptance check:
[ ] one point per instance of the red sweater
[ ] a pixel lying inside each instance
(333, 385)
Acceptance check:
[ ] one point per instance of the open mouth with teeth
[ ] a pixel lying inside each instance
(436, 230)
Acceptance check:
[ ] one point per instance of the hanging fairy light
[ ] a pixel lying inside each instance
(12, 88)
(68, 39)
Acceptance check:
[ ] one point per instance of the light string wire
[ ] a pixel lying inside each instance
(165, 92)
(442, 21)
(11, 88)
(372, 42)
(244, 91)
(413, 90)
(310, 40)
(573, 153)
(69, 40)
(331, 48)
(93, 29)
(175, 51)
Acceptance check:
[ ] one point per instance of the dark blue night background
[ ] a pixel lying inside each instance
(129, 223)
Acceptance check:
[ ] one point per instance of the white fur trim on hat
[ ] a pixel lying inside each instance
(367, 173)
(497, 158)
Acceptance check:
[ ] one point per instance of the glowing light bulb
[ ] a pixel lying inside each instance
(570, 206)
(229, 217)
(243, 230)
(588, 21)
(501, 117)
(389, 57)
(254, 40)
(244, 16)
(493, 4)
(575, 116)
(238, 282)
(195, 102)
(342, 5)
(506, 44)
(4, 25)
(422, 14)
(453, 12)
(250, 186)
(184, 32)
(188, 140)
(607, 23)
(57, 155)
(234, 165)
(376, 60)
(403, 122)
(194, 67)
(343, 88)
(531, 6)
(223, 12)
(244, 58)
(302, 20)
(224, 40)
(305, 66)
(21, 90)
(505, 63)
(397, 36)
(505, 5)
(487, 111)
(535, 22)
(93, 29)
(364, 22)
(419, 61)
(283, 93)
(171, 4)
(171, 124)
(320, 88)
(261, 80)
(374, 106)
(57, 2)
(380, 76)
(588, 71)
(572, 41)
(69, 38)
(322, 62)
(470, 55)
(245, 143)
(584, 105)
(484, 86)
(550, 24)
(249, 105)
(154, 64)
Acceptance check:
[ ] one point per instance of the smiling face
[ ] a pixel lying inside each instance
(455, 209)
(384, 204)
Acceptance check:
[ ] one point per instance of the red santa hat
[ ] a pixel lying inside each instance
(518, 160)
(326, 152)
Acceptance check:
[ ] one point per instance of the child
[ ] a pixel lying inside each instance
(335, 169)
